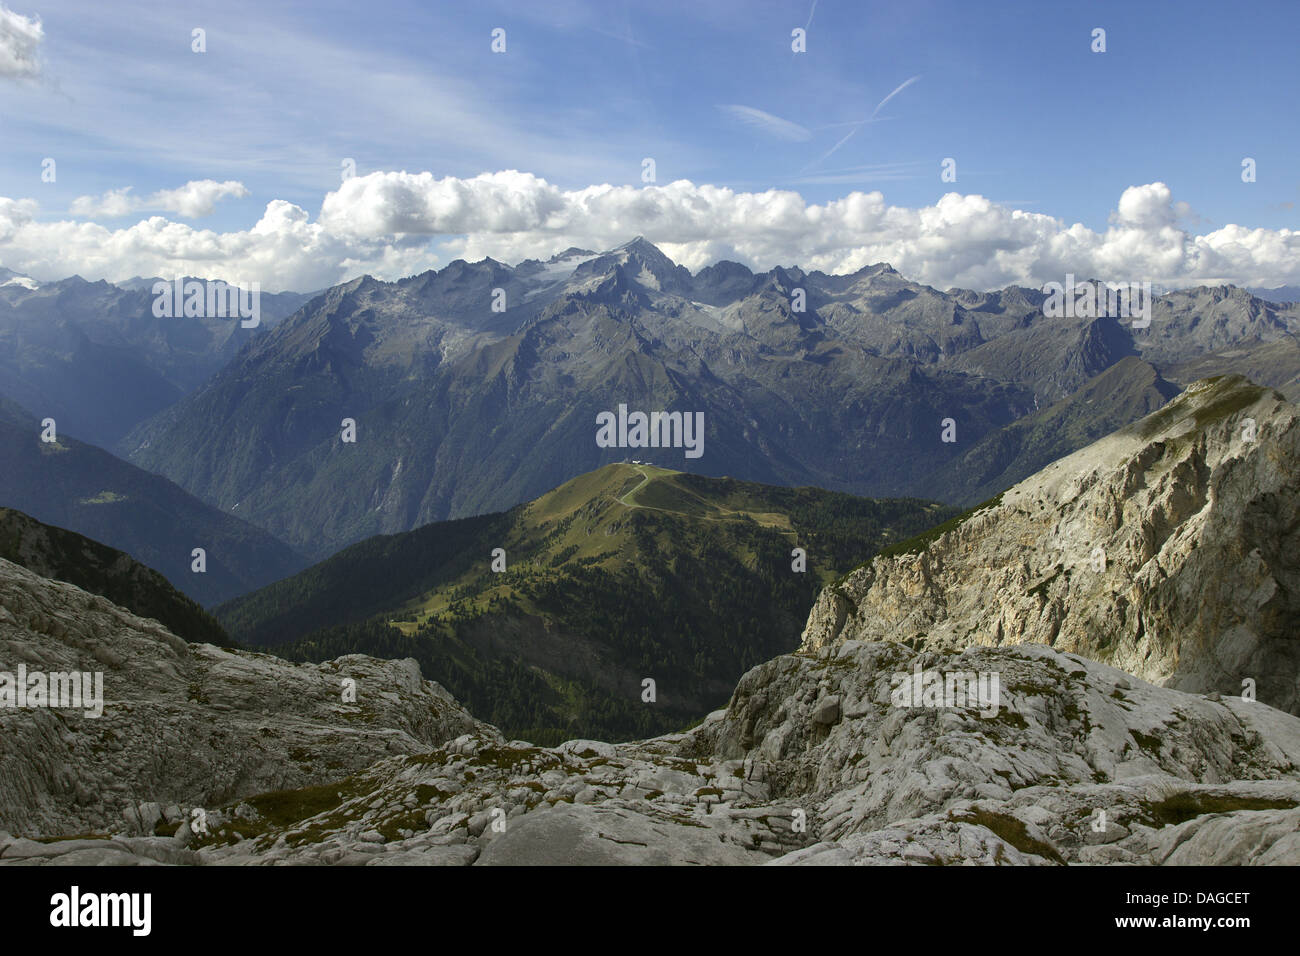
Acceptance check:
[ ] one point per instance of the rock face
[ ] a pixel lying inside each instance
(1170, 549)
(189, 724)
(1076, 764)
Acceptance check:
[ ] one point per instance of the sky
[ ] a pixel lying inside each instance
(230, 163)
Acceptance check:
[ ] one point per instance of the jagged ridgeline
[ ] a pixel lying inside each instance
(622, 574)
(67, 556)
(841, 382)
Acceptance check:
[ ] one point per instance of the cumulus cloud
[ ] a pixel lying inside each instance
(392, 224)
(197, 198)
(1150, 206)
(20, 40)
(282, 250)
(112, 205)
(194, 200)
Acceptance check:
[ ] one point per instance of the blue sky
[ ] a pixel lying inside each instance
(1035, 120)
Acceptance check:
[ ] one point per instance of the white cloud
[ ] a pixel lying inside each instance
(1149, 206)
(393, 224)
(196, 198)
(193, 200)
(112, 205)
(14, 215)
(20, 38)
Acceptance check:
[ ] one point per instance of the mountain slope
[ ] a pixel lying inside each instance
(67, 556)
(626, 573)
(93, 356)
(1195, 510)
(76, 486)
(1118, 396)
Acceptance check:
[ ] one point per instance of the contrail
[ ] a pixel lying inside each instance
(871, 119)
(902, 86)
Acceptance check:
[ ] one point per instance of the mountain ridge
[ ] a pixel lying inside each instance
(628, 572)
(846, 387)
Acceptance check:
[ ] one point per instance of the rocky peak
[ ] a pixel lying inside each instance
(1168, 549)
(644, 264)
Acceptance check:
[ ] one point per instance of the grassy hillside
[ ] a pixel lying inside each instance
(625, 573)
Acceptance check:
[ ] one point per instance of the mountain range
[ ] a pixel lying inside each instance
(478, 386)
(95, 358)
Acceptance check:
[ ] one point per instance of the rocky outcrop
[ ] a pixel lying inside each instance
(185, 724)
(1077, 763)
(1170, 549)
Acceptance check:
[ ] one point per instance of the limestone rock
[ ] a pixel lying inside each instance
(189, 725)
(1170, 549)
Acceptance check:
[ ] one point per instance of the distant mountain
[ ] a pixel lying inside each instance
(1275, 364)
(842, 382)
(1123, 393)
(93, 356)
(455, 417)
(1053, 359)
(10, 278)
(85, 489)
(1283, 293)
(626, 573)
(66, 556)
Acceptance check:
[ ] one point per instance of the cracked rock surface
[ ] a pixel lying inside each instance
(1169, 549)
